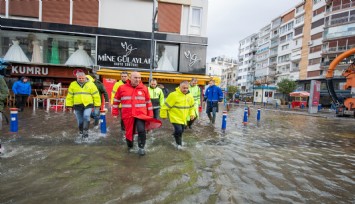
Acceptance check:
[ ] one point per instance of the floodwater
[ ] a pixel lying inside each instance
(286, 158)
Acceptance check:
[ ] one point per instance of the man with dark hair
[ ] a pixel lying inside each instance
(22, 90)
(156, 96)
(102, 91)
(124, 77)
(196, 93)
(212, 96)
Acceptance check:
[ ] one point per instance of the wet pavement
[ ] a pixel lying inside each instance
(289, 157)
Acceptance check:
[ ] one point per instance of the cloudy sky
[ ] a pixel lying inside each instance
(229, 21)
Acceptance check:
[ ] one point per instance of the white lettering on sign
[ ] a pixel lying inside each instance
(191, 57)
(29, 70)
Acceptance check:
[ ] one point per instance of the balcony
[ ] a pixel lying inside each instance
(339, 34)
(296, 56)
(339, 21)
(273, 54)
(274, 44)
(337, 49)
(340, 7)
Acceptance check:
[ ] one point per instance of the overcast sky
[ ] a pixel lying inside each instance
(230, 21)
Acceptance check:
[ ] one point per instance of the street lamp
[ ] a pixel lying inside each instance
(152, 46)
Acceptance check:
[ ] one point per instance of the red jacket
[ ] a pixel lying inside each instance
(135, 101)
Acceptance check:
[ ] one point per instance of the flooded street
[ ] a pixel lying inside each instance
(286, 158)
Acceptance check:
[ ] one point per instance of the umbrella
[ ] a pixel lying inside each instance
(300, 94)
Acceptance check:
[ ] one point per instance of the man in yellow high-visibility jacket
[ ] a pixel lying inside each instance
(124, 77)
(156, 96)
(196, 93)
(83, 96)
(178, 107)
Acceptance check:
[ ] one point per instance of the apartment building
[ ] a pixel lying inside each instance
(247, 64)
(303, 42)
(226, 68)
(107, 34)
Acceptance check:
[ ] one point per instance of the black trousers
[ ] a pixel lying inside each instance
(21, 101)
(178, 130)
(139, 125)
(156, 113)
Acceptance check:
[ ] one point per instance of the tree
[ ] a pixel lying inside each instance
(286, 86)
(231, 91)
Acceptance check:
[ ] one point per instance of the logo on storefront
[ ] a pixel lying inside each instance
(128, 48)
(119, 52)
(191, 57)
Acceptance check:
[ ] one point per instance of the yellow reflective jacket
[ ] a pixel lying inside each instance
(178, 107)
(156, 96)
(114, 90)
(196, 93)
(86, 95)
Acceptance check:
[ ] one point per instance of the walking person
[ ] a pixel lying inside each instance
(156, 96)
(83, 96)
(196, 93)
(124, 77)
(178, 107)
(22, 90)
(103, 95)
(212, 96)
(137, 111)
(4, 92)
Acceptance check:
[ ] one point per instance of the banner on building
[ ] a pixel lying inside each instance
(123, 52)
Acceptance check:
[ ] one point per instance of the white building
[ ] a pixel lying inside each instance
(247, 64)
(225, 68)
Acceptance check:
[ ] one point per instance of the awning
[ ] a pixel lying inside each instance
(169, 78)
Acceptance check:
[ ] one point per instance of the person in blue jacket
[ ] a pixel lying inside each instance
(22, 90)
(213, 95)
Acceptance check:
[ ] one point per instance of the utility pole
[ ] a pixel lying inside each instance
(152, 46)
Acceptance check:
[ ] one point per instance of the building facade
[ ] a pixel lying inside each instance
(225, 68)
(302, 43)
(106, 36)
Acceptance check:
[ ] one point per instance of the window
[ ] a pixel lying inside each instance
(316, 1)
(314, 61)
(196, 21)
(315, 49)
(52, 49)
(317, 36)
(318, 23)
(284, 58)
(168, 56)
(299, 30)
(300, 19)
(319, 11)
(286, 28)
(284, 47)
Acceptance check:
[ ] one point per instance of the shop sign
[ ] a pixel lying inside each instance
(161, 80)
(122, 52)
(192, 59)
(42, 71)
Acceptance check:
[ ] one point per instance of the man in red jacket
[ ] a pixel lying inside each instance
(137, 110)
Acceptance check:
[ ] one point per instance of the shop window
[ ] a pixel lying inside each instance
(39, 48)
(167, 57)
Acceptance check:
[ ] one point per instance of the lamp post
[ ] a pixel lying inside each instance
(152, 46)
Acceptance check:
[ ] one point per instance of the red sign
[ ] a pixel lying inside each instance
(316, 93)
(43, 70)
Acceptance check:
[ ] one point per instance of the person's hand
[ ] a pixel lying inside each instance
(115, 116)
(70, 109)
(192, 117)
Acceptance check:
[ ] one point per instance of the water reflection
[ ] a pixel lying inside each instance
(286, 158)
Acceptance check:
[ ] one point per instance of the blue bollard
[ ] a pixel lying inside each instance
(258, 115)
(224, 121)
(245, 119)
(14, 119)
(103, 121)
(276, 105)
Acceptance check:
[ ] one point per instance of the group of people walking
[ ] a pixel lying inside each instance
(140, 107)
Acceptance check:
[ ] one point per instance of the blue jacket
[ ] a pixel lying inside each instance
(20, 87)
(213, 94)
